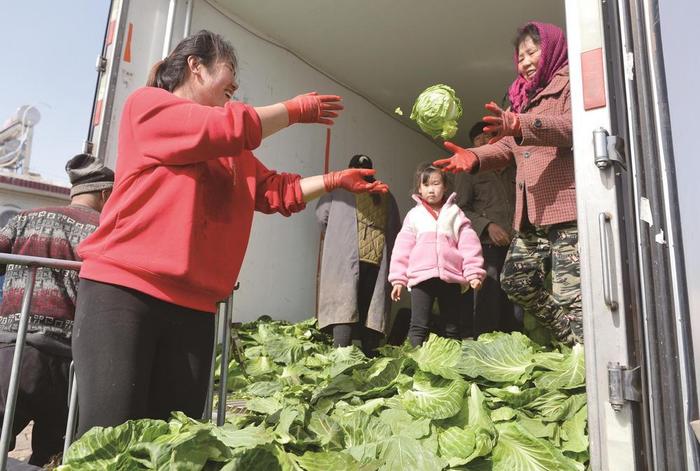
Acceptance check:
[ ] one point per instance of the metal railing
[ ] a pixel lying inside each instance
(33, 263)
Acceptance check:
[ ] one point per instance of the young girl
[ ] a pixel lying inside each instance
(436, 253)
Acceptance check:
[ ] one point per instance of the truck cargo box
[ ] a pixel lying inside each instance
(634, 114)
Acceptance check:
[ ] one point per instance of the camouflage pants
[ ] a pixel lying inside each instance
(535, 254)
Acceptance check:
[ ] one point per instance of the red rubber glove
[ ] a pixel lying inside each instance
(352, 179)
(462, 160)
(313, 108)
(502, 123)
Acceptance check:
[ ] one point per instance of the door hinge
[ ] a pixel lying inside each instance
(101, 64)
(624, 384)
(608, 149)
(87, 147)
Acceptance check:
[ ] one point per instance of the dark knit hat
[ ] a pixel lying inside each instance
(87, 174)
(477, 129)
(360, 161)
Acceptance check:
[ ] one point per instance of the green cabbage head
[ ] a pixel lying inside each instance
(437, 110)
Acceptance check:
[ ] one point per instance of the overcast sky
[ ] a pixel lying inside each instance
(49, 50)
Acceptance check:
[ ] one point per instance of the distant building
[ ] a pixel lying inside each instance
(19, 188)
(18, 192)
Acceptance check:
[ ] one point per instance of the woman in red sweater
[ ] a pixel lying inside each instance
(173, 234)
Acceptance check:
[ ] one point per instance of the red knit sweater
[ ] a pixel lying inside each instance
(177, 224)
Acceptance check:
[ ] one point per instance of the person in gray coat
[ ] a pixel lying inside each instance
(353, 295)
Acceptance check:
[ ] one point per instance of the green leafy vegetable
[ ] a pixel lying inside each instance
(518, 449)
(434, 397)
(574, 432)
(569, 373)
(439, 356)
(402, 453)
(501, 402)
(436, 110)
(503, 358)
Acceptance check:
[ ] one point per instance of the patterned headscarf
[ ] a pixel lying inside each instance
(553, 56)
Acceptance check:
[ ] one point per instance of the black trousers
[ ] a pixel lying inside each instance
(344, 333)
(467, 316)
(137, 356)
(493, 311)
(422, 297)
(42, 397)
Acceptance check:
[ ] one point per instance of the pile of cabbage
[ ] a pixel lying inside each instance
(502, 402)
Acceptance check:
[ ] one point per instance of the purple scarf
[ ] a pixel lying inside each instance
(553, 57)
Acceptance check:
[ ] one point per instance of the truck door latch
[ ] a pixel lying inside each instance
(624, 384)
(608, 149)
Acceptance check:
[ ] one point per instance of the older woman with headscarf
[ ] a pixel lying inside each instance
(536, 131)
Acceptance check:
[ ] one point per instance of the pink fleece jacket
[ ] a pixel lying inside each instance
(446, 248)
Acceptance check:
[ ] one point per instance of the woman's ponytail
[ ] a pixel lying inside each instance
(153, 76)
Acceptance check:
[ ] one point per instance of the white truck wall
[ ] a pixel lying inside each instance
(21, 198)
(279, 272)
(611, 437)
(136, 45)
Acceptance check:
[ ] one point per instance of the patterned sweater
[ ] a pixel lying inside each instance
(45, 232)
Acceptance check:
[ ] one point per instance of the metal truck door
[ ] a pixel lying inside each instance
(139, 33)
(639, 372)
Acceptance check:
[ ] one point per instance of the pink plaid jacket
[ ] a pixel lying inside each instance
(544, 157)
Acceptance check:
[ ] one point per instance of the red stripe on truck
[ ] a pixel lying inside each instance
(110, 32)
(593, 79)
(127, 47)
(98, 113)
